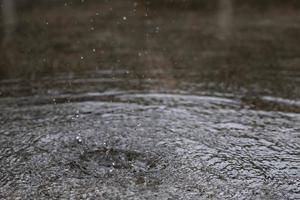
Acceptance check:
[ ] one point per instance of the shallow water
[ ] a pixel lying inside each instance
(145, 144)
(194, 109)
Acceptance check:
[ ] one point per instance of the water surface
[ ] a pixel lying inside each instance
(134, 101)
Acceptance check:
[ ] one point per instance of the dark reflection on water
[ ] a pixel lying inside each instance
(150, 100)
(224, 45)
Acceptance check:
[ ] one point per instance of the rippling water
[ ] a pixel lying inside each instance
(143, 143)
(151, 103)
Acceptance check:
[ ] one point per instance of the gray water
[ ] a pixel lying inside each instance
(124, 100)
(144, 143)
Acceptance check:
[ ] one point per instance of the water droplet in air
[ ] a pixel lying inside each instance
(78, 138)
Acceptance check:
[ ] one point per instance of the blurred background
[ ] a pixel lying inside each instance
(244, 46)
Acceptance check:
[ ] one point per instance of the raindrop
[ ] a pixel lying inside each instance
(94, 50)
(124, 18)
(81, 57)
(157, 29)
(78, 138)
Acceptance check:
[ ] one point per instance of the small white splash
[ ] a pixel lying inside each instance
(79, 139)
(124, 18)
(81, 57)
(92, 28)
(94, 50)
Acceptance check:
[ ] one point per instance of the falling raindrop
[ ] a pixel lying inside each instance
(157, 29)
